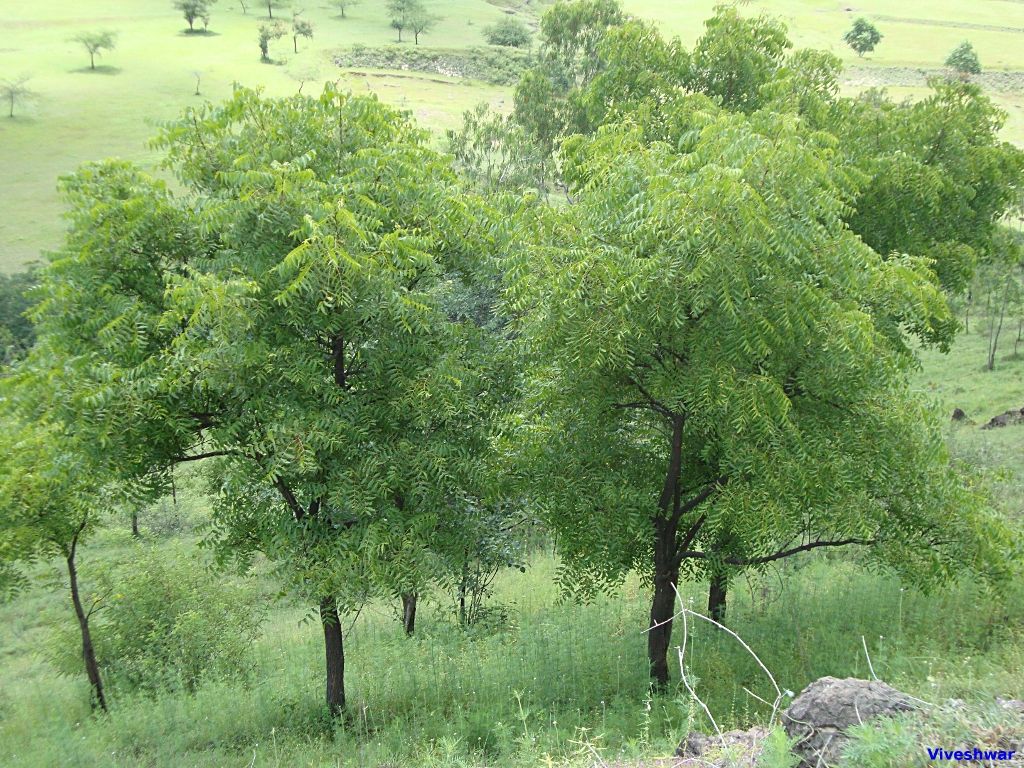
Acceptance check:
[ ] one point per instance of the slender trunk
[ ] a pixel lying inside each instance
(135, 525)
(92, 669)
(270, 10)
(659, 635)
(1020, 336)
(417, 36)
(174, 487)
(995, 330)
(92, 60)
(409, 612)
(717, 594)
(11, 113)
(295, 42)
(335, 655)
(190, 27)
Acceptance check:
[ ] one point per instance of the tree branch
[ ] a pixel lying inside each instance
(690, 555)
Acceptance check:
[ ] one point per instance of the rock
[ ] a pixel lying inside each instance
(958, 414)
(1013, 705)
(733, 748)
(1005, 419)
(818, 718)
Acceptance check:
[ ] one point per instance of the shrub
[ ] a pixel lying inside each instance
(964, 60)
(167, 623)
(510, 32)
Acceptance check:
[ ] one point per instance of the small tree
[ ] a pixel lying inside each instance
(421, 20)
(300, 28)
(267, 33)
(401, 13)
(195, 9)
(95, 43)
(344, 5)
(13, 91)
(510, 32)
(964, 60)
(863, 36)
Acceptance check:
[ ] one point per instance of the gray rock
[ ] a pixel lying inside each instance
(732, 748)
(818, 718)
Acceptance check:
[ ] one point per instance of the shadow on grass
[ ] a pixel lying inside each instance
(100, 69)
(198, 33)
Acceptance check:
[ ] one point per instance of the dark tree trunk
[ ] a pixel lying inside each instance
(409, 612)
(335, 655)
(92, 60)
(717, 593)
(135, 525)
(92, 669)
(666, 577)
(295, 43)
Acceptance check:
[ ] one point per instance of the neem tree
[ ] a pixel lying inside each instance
(718, 367)
(286, 321)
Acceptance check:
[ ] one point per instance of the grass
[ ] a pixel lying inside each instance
(554, 680)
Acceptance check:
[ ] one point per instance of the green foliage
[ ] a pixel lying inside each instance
(165, 622)
(735, 58)
(403, 13)
(494, 153)
(509, 31)
(964, 59)
(16, 332)
(863, 36)
(301, 28)
(95, 43)
(718, 365)
(344, 5)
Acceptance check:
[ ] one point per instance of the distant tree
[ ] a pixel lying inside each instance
(95, 43)
(245, 6)
(14, 91)
(195, 9)
(493, 153)
(401, 13)
(300, 28)
(272, 4)
(267, 33)
(863, 36)
(421, 20)
(344, 5)
(964, 60)
(508, 31)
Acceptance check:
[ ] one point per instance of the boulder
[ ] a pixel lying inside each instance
(959, 414)
(818, 718)
(1005, 419)
(733, 748)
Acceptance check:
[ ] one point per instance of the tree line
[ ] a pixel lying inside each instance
(669, 307)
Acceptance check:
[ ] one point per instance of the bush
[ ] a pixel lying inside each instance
(509, 31)
(166, 623)
(964, 59)
(499, 67)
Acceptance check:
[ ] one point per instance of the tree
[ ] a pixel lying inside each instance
(401, 13)
(420, 20)
(268, 33)
(863, 36)
(14, 91)
(300, 28)
(964, 60)
(95, 43)
(508, 31)
(713, 385)
(344, 5)
(195, 9)
(493, 153)
(48, 495)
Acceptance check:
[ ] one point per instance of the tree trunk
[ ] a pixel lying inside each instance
(190, 27)
(295, 42)
(717, 593)
(409, 612)
(659, 635)
(135, 525)
(92, 669)
(92, 60)
(417, 36)
(335, 655)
